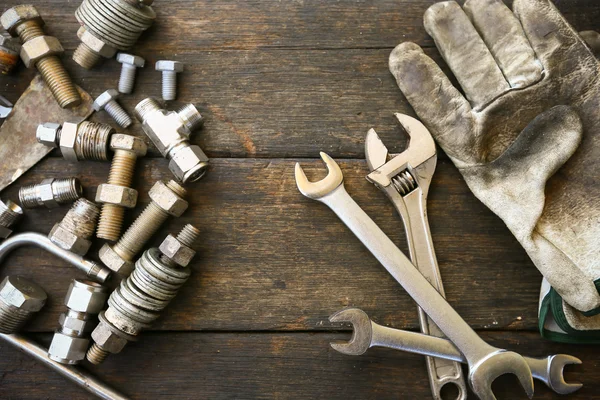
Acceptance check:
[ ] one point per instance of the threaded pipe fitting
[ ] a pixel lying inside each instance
(93, 141)
(146, 107)
(50, 193)
(86, 57)
(19, 299)
(10, 214)
(191, 117)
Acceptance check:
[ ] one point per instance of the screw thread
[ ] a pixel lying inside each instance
(190, 115)
(10, 213)
(66, 190)
(188, 235)
(142, 229)
(111, 222)
(117, 112)
(145, 107)
(122, 168)
(93, 140)
(127, 78)
(11, 318)
(169, 85)
(28, 196)
(56, 77)
(81, 218)
(85, 56)
(29, 30)
(96, 355)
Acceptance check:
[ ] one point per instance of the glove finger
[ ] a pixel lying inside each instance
(557, 45)
(439, 105)
(502, 33)
(465, 53)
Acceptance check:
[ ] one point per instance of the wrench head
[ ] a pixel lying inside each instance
(317, 190)
(483, 373)
(556, 378)
(361, 334)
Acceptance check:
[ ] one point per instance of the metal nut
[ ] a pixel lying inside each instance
(166, 199)
(165, 65)
(178, 252)
(68, 349)
(97, 45)
(114, 262)
(125, 58)
(19, 14)
(68, 240)
(68, 141)
(19, 292)
(86, 297)
(134, 144)
(40, 47)
(118, 195)
(46, 193)
(108, 337)
(105, 98)
(189, 164)
(74, 324)
(47, 134)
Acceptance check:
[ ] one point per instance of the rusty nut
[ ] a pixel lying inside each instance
(167, 200)
(67, 240)
(40, 47)
(67, 349)
(114, 262)
(16, 15)
(130, 143)
(189, 164)
(176, 251)
(86, 296)
(117, 195)
(23, 294)
(97, 45)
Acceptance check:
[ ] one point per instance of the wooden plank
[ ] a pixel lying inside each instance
(271, 259)
(273, 366)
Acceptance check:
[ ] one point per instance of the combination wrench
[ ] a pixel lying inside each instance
(367, 334)
(485, 362)
(405, 180)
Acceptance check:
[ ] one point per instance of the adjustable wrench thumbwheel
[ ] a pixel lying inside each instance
(367, 334)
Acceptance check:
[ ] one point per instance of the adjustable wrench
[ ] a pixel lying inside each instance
(405, 180)
(486, 362)
(367, 334)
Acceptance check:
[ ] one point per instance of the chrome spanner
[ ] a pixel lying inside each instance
(405, 180)
(367, 334)
(486, 362)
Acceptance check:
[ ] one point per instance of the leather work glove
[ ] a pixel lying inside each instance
(525, 135)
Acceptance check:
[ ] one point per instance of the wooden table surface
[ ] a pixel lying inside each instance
(279, 81)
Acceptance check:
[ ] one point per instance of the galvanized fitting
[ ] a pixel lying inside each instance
(77, 142)
(50, 193)
(117, 195)
(110, 25)
(9, 53)
(19, 299)
(166, 200)
(10, 214)
(108, 101)
(75, 231)
(41, 51)
(136, 304)
(178, 251)
(130, 64)
(169, 70)
(84, 301)
(170, 132)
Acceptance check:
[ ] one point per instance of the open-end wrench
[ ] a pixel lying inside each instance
(486, 362)
(367, 334)
(405, 180)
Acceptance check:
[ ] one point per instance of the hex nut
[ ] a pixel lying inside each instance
(40, 47)
(19, 292)
(68, 141)
(125, 58)
(105, 98)
(189, 164)
(67, 240)
(46, 193)
(19, 14)
(166, 199)
(75, 324)
(134, 144)
(97, 45)
(68, 349)
(117, 195)
(178, 252)
(166, 65)
(47, 134)
(86, 297)
(114, 262)
(107, 337)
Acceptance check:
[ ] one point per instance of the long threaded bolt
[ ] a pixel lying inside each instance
(107, 101)
(188, 237)
(126, 151)
(169, 70)
(50, 193)
(19, 299)
(130, 64)
(50, 67)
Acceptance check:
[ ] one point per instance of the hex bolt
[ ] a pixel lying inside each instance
(10, 214)
(50, 193)
(19, 299)
(42, 51)
(178, 251)
(169, 70)
(84, 301)
(166, 200)
(76, 229)
(130, 64)
(107, 101)
(116, 195)
(77, 142)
